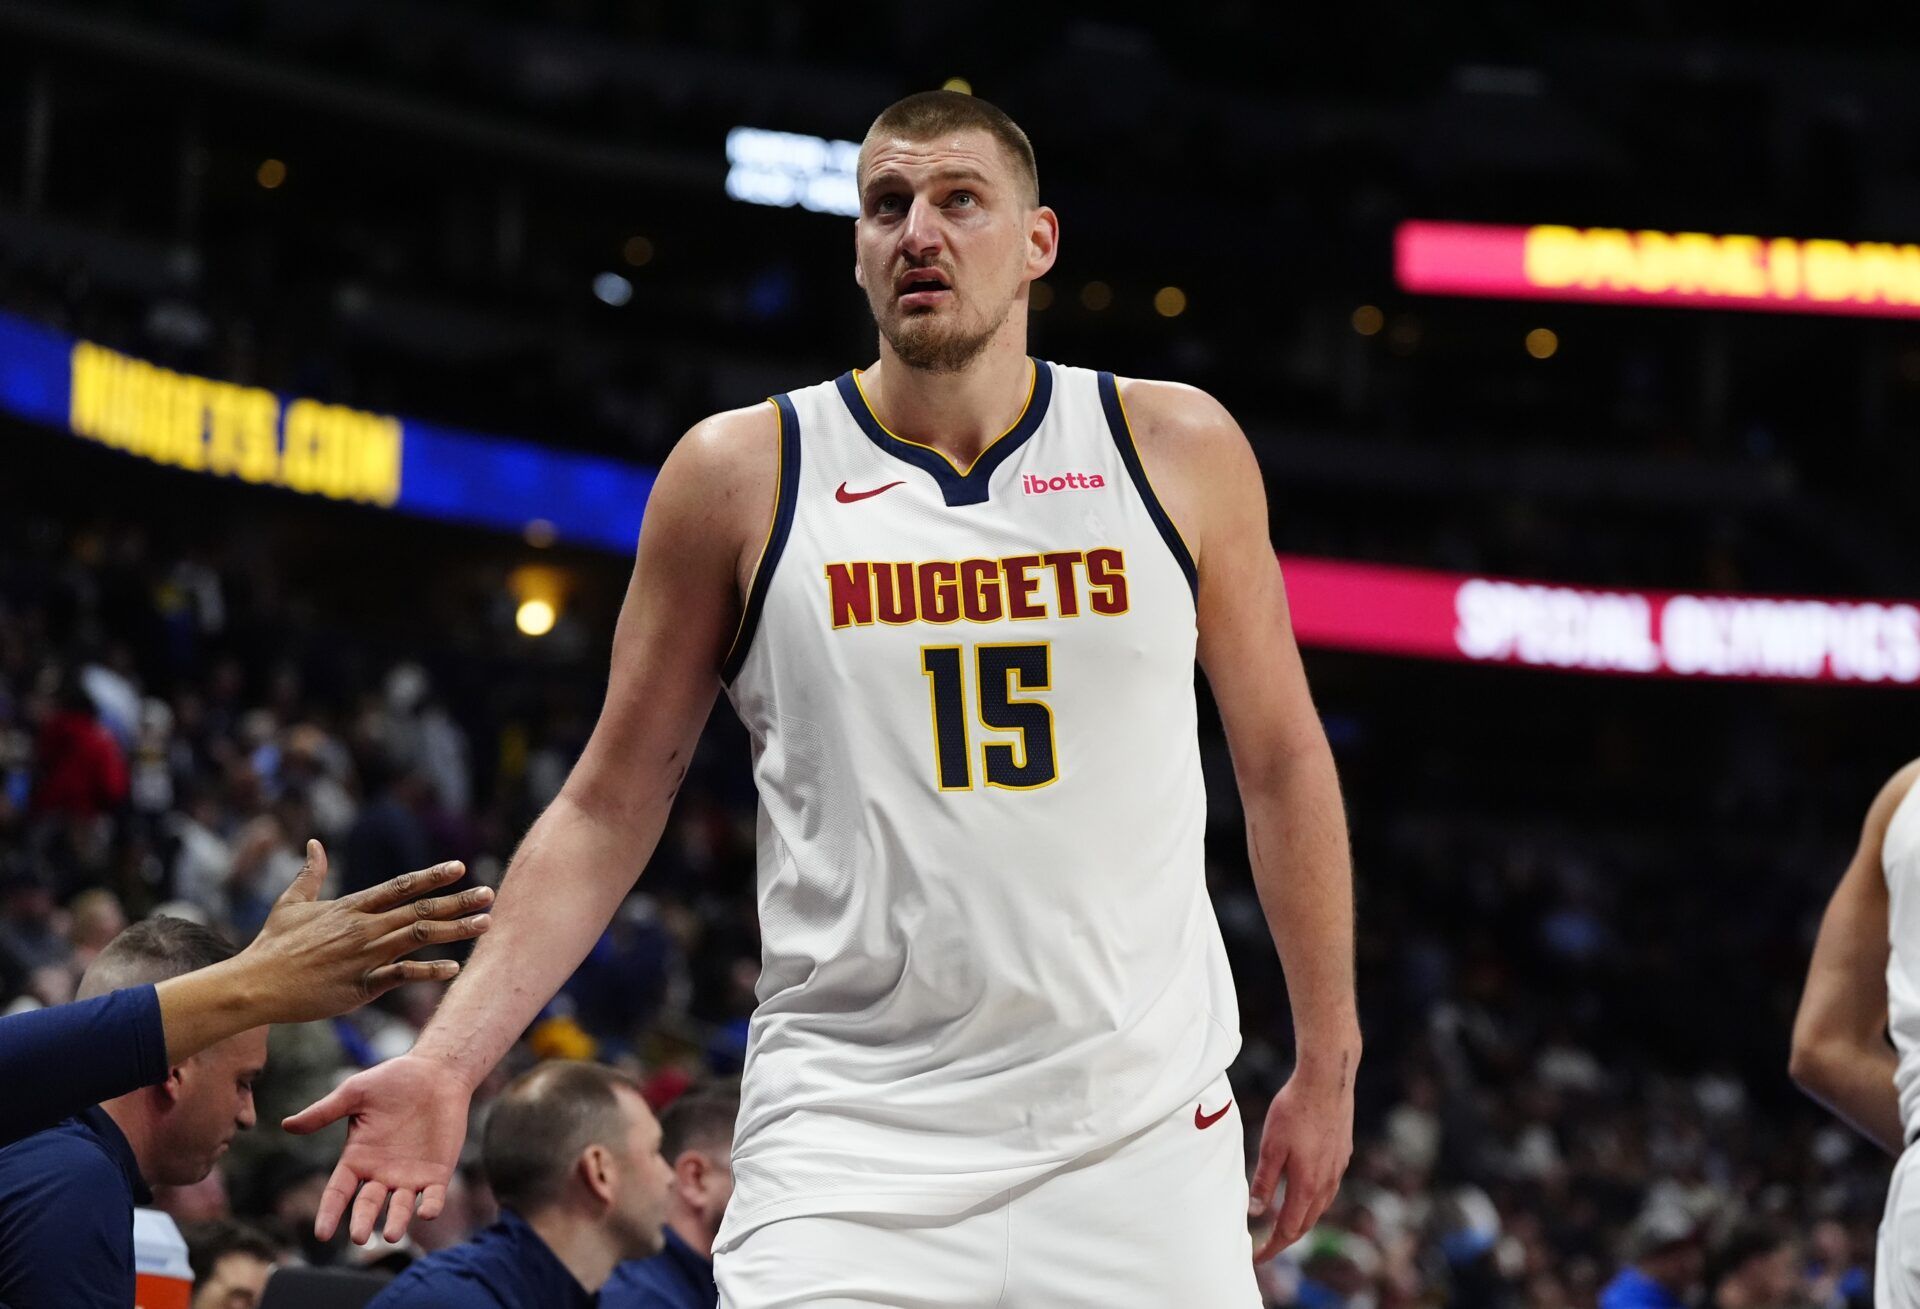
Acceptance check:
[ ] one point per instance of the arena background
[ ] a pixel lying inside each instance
(1595, 814)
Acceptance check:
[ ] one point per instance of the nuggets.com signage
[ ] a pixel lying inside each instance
(1614, 265)
(1435, 615)
(205, 426)
(214, 428)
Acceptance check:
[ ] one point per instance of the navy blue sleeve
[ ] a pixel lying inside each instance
(56, 1062)
(66, 1228)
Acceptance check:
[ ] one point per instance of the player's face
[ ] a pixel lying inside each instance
(213, 1099)
(946, 244)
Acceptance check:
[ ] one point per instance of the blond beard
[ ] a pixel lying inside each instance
(935, 351)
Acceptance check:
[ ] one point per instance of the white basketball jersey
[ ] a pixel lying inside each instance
(987, 943)
(1900, 863)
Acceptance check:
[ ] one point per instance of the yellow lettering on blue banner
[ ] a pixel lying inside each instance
(207, 426)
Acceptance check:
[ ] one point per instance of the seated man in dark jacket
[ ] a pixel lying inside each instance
(697, 1140)
(573, 1155)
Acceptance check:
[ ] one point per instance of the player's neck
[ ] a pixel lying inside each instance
(958, 413)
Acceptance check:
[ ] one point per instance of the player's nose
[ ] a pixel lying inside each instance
(921, 234)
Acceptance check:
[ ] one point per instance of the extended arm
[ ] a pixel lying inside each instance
(582, 855)
(312, 959)
(1296, 826)
(1840, 1052)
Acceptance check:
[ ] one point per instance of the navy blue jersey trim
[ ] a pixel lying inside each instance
(785, 495)
(956, 487)
(1130, 456)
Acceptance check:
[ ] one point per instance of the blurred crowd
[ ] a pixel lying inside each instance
(1573, 1092)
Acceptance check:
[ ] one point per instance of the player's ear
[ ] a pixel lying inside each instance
(859, 273)
(1043, 241)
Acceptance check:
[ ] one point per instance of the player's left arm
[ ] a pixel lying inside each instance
(1209, 483)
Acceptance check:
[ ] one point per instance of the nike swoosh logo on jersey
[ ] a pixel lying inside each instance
(1204, 1121)
(847, 497)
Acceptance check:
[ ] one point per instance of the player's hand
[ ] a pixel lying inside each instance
(318, 958)
(406, 1119)
(1308, 1139)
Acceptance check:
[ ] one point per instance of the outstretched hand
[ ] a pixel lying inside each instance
(406, 1120)
(1308, 1140)
(318, 958)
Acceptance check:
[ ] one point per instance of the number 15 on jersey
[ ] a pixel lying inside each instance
(999, 669)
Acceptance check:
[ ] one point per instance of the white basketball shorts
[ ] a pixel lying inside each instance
(1156, 1220)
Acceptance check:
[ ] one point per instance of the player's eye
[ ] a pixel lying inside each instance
(886, 204)
(966, 199)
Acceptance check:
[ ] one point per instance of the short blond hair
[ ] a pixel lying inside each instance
(928, 114)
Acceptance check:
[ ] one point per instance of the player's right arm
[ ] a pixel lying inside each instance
(1840, 1052)
(710, 505)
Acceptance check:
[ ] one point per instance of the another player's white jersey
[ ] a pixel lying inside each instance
(1900, 862)
(988, 946)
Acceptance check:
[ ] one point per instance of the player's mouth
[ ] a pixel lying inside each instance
(922, 288)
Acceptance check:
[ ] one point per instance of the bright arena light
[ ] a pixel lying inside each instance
(534, 617)
(612, 289)
(787, 169)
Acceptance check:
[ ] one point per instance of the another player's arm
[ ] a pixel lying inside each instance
(1209, 482)
(580, 858)
(1840, 1052)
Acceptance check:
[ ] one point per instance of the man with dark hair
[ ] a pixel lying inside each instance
(573, 1155)
(1754, 1267)
(231, 1263)
(173, 1021)
(957, 598)
(696, 1138)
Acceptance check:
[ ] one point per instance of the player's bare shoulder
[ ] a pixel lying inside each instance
(1194, 452)
(1888, 801)
(724, 473)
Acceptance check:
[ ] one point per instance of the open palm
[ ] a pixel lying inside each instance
(406, 1120)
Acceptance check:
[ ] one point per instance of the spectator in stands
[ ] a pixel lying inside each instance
(387, 837)
(696, 1138)
(81, 768)
(573, 1154)
(231, 1263)
(1754, 1268)
(95, 918)
(30, 937)
(1664, 1259)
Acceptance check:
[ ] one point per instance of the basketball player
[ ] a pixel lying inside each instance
(1864, 981)
(957, 598)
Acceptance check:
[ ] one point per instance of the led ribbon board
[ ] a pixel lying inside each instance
(1434, 615)
(223, 429)
(1616, 266)
(215, 428)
